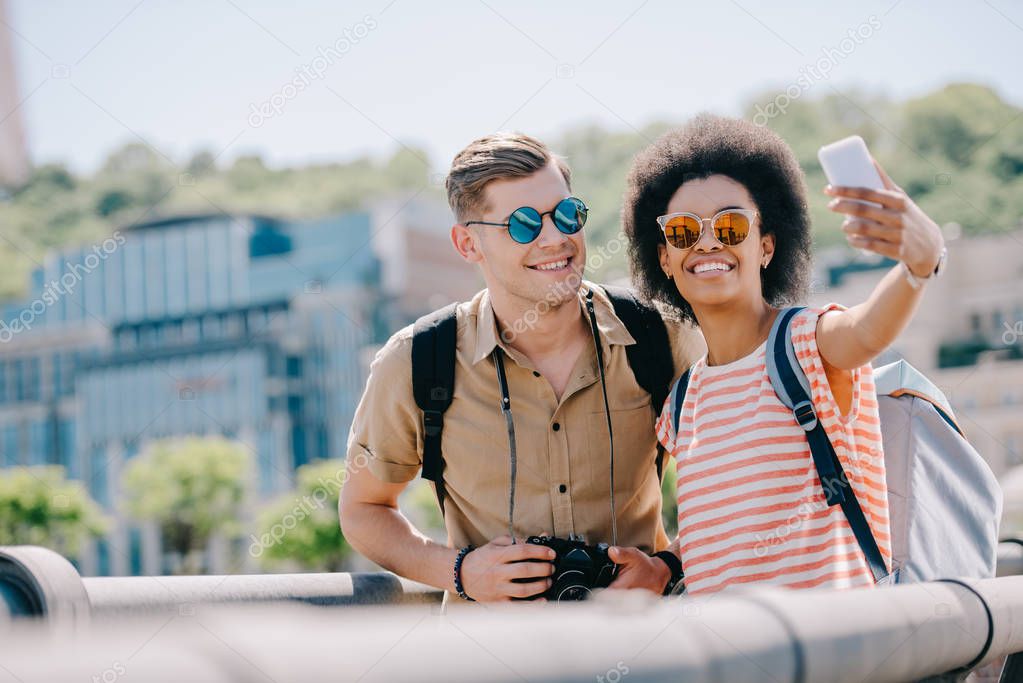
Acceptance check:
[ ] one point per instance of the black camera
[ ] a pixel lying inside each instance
(578, 568)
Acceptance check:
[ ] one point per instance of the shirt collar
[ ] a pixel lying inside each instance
(610, 327)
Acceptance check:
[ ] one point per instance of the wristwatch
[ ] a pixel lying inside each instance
(915, 281)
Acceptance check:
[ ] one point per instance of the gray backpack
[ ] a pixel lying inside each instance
(944, 502)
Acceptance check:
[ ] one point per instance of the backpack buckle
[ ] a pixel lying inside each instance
(805, 415)
(433, 422)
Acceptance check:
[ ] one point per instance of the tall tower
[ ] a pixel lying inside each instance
(13, 152)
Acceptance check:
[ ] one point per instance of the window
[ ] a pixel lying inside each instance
(39, 442)
(66, 447)
(33, 384)
(135, 551)
(98, 476)
(267, 240)
(11, 445)
(19, 379)
(190, 331)
(298, 447)
(234, 324)
(102, 558)
(57, 379)
(211, 328)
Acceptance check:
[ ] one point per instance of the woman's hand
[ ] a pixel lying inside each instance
(636, 569)
(897, 229)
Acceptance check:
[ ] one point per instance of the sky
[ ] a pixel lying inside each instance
(312, 81)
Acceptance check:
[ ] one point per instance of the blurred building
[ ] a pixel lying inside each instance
(250, 327)
(13, 150)
(967, 336)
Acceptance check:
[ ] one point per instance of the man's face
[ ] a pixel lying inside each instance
(550, 267)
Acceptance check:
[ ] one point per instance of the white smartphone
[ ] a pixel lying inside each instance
(847, 163)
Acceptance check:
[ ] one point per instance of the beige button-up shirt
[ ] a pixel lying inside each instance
(563, 472)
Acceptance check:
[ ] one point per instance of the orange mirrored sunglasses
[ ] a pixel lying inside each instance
(730, 227)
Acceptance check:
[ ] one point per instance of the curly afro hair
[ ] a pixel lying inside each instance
(749, 154)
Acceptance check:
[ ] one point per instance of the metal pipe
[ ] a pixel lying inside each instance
(171, 594)
(168, 628)
(1010, 557)
(897, 633)
(36, 581)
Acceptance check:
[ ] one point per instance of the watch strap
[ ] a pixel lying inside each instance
(675, 565)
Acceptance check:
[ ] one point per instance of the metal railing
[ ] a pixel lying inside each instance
(35, 581)
(177, 628)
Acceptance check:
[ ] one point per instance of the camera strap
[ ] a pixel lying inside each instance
(502, 381)
(607, 409)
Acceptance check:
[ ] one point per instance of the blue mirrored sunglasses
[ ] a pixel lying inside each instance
(525, 223)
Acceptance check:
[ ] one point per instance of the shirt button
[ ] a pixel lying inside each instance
(556, 426)
(562, 488)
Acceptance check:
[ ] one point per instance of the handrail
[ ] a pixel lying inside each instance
(898, 633)
(36, 581)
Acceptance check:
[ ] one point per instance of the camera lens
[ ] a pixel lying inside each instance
(573, 594)
(570, 585)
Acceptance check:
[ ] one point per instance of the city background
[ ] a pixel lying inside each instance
(201, 250)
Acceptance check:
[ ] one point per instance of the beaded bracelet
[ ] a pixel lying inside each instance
(458, 573)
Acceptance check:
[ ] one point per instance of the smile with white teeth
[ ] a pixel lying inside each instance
(712, 265)
(555, 265)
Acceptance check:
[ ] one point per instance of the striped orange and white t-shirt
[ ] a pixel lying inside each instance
(750, 505)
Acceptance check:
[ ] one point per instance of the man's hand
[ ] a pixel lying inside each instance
(487, 571)
(636, 569)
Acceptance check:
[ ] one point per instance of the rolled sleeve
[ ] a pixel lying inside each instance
(386, 430)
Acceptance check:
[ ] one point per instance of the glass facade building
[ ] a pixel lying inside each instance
(246, 326)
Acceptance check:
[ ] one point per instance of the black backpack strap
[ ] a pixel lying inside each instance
(793, 389)
(678, 397)
(650, 357)
(434, 339)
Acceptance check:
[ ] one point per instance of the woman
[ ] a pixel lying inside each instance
(716, 217)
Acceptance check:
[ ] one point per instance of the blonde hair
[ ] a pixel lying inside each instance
(493, 157)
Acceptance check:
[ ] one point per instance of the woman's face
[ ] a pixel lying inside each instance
(734, 271)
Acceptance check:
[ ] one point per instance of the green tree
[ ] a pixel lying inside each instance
(957, 150)
(301, 527)
(669, 498)
(40, 506)
(192, 488)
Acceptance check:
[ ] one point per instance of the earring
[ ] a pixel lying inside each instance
(670, 276)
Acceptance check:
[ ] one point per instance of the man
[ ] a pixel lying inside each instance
(530, 320)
